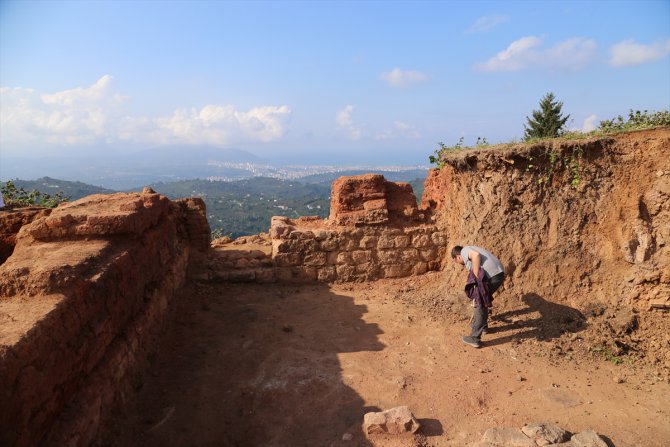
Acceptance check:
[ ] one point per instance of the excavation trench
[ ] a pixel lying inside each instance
(299, 365)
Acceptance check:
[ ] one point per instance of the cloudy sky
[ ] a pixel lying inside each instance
(380, 82)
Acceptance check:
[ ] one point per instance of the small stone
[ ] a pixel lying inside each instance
(395, 421)
(545, 433)
(588, 438)
(520, 378)
(512, 437)
(347, 437)
(618, 379)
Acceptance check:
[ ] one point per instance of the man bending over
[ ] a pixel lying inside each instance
(485, 275)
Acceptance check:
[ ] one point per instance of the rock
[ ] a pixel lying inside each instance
(588, 438)
(618, 379)
(624, 322)
(545, 433)
(370, 199)
(508, 437)
(395, 421)
(148, 190)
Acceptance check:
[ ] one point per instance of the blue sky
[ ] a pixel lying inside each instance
(375, 82)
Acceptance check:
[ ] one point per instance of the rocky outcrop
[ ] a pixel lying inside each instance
(371, 199)
(83, 298)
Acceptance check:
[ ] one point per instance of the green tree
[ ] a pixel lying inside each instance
(547, 122)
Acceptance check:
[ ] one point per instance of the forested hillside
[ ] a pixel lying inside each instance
(246, 206)
(51, 186)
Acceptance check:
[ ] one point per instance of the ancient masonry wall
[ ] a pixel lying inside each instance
(83, 298)
(375, 230)
(354, 253)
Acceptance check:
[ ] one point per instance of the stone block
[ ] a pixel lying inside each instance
(397, 270)
(361, 256)
(368, 242)
(401, 241)
(509, 437)
(409, 255)
(315, 259)
(545, 433)
(385, 241)
(344, 257)
(287, 259)
(331, 243)
(421, 241)
(395, 421)
(327, 274)
(588, 438)
(428, 254)
(389, 256)
(345, 272)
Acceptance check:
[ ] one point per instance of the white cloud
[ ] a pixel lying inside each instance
(70, 117)
(627, 52)
(589, 123)
(487, 23)
(400, 130)
(401, 78)
(212, 125)
(345, 121)
(87, 115)
(570, 55)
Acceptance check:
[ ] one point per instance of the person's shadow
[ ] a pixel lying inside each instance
(540, 319)
(256, 365)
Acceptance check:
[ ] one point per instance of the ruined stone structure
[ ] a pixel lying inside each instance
(83, 296)
(375, 230)
(86, 289)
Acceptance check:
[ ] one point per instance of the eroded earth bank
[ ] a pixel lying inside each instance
(120, 326)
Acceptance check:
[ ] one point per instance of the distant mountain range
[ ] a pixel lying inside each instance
(178, 163)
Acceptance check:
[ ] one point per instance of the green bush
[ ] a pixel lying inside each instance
(18, 197)
(636, 120)
(441, 150)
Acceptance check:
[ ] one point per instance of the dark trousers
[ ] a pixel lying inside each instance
(481, 314)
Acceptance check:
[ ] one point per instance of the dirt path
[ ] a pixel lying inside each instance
(280, 365)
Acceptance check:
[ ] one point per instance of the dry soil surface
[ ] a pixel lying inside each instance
(283, 365)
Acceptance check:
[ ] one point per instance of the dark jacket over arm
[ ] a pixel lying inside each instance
(478, 289)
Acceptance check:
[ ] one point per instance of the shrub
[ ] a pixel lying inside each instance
(18, 197)
(636, 120)
(441, 150)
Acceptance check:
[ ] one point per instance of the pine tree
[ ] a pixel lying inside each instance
(548, 121)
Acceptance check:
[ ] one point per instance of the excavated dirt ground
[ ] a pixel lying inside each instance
(299, 365)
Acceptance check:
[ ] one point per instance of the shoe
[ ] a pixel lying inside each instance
(471, 341)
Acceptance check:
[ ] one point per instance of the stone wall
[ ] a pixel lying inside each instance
(83, 299)
(375, 230)
(316, 252)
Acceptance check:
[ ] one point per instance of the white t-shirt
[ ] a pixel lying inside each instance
(491, 265)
